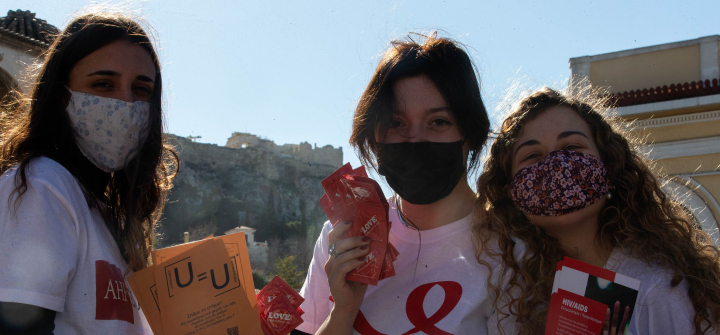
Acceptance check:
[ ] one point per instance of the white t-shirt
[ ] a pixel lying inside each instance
(441, 290)
(659, 308)
(57, 253)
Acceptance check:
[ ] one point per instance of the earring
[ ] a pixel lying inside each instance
(609, 195)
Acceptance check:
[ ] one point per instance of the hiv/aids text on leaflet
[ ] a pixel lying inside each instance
(279, 305)
(351, 196)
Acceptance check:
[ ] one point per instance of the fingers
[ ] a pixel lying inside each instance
(624, 320)
(351, 243)
(616, 311)
(345, 263)
(343, 246)
(337, 231)
(606, 323)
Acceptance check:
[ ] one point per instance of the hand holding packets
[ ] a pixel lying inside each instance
(351, 196)
(587, 299)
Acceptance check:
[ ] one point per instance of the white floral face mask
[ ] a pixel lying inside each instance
(108, 131)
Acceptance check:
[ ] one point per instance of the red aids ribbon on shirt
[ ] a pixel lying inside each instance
(416, 312)
(351, 196)
(279, 307)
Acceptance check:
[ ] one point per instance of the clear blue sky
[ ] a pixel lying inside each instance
(292, 71)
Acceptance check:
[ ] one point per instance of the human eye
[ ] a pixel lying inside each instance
(144, 89)
(102, 84)
(572, 147)
(396, 123)
(441, 122)
(530, 156)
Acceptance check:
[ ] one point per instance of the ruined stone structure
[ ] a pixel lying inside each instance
(304, 152)
(258, 251)
(274, 189)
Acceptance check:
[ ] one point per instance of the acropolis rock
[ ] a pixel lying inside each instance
(249, 182)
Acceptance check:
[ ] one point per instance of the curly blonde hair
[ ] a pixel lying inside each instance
(640, 218)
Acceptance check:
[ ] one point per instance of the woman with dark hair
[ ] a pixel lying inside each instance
(85, 175)
(606, 208)
(422, 124)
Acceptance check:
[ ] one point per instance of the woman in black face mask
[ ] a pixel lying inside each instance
(421, 123)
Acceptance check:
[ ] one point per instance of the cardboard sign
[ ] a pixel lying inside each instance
(199, 288)
(193, 291)
(143, 284)
(237, 250)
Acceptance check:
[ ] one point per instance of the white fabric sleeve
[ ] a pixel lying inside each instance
(38, 244)
(315, 290)
(665, 310)
(501, 321)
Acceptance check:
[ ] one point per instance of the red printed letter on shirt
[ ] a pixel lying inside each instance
(112, 299)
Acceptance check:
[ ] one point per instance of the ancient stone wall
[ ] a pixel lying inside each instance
(226, 187)
(303, 151)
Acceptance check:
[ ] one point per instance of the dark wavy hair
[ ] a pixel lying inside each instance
(640, 218)
(133, 200)
(450, 69)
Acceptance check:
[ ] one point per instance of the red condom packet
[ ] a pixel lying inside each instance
(279, 307)
(332, 203)
(279, 317)
(278, 287)
(351, 196)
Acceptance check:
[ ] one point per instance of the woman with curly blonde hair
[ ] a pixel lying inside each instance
(563, 180)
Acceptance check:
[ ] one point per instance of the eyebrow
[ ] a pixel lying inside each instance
(560, 136)
(569, 133)
(526, 143)
(438, 109)
(116, 74)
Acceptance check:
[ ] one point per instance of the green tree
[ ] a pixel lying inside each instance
(288, 271)
(294, 228)
(259, 280)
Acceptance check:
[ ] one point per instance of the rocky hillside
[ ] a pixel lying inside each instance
(219, 188)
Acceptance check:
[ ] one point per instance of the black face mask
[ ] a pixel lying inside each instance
(421, 172)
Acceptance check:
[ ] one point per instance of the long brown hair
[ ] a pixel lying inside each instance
(450, 69)
(39, 126)
(640, 218)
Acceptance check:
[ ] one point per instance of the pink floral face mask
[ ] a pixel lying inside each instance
(562, 183)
